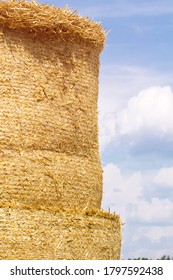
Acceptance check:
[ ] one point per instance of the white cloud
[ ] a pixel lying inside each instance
(150, 110)
(125, 195)
(149, 241)
(148, 218)
(155, 233)
(164, 177)
(107, 130)
(117, 85)
(156, 210)
(120, 190)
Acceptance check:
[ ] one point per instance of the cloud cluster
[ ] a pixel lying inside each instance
(120, 191)
(125, 194)
(143, 216)
(144, 199)
(145, 125)
(150, 110)
(125, 111)
(164, 177)
(118, 83)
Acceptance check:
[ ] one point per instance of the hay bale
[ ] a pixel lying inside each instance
(50, 169)
(47, 234)
(49, 94)
(49, 178)
(49, 61)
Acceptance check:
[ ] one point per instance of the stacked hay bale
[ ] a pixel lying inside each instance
(50, 170)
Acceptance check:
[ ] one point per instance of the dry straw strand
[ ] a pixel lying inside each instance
(51, 21)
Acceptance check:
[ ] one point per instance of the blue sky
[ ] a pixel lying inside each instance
(136, 119)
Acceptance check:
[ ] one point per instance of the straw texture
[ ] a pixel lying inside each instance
(51, 22)
(43, 234)
(49, 178)
(48, 94)
(48, 105)
(50, 168)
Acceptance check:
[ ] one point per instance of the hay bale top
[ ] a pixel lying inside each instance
(50, 22)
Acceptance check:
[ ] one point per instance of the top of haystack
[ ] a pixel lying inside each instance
(50, 22)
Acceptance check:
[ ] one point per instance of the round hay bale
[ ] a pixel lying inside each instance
(49, 60)
(48, 92)
(50, 169)
(49, 178)
(58, 235)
